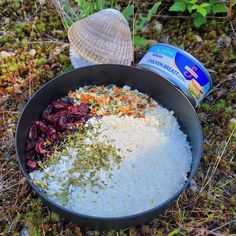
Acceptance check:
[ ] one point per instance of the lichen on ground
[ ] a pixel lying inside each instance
(34, 49)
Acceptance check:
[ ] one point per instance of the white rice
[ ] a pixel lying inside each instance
(155, 160)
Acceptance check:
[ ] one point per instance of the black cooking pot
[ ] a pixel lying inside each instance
(147, 82)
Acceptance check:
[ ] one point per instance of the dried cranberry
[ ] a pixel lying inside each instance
(43, 136)
(51, 140)
(70, 126)
(67, 100)
(38, 157)
(33, 165)
(40, 147)
(74, 111)
(54, 137)
(62, 123)
(30, 155)
(32, 133)
(59, 135)
(59, 105)
(84, 107)
(41, 126)
(56, 119)
(51, 131)
(47, 111)
(30, 144)
(49, 118)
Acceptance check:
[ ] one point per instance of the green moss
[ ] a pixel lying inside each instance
(41, 27)
(41, 60)
(63, 58)
(220, 105)
(205, 106)
(24, 42)
(4, 39)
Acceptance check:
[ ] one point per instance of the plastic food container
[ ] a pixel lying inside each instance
(180, 68)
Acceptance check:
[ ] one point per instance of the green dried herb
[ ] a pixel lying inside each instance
(90, 158)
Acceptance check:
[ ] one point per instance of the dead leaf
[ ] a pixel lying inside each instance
(221, 93)
(3, 99)
(56, 51)
(77, 231)
(17, 88)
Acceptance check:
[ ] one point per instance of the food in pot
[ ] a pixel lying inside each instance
(119, 152)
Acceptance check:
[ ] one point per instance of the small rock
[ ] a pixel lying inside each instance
(234, 44)
(151, 42)
(193, 186)
(20, 106)
(139, 55)
(4, 54)
(3, 99)
(232, 79)
(55, 31)
(158, 26)
(163, 40)
(1, 212)
(211, 71)
(198, 38)
(24, 232)
(22, 181)
(145, 29)
(212, 34)
(202, 116)
(32, 52)
(233, 121)
(224, 41)
(221, 93)
(42, 2)
(6, 20)
(17, 88)
(210, 98)
(7, 155)
(89, 233)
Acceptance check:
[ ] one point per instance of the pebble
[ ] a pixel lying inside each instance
(4, 54)
(17, 88)
(145, 29)
(210, 98)
(198, 38)
(42, 2)
(7, 155)
(193, 186)
(233, 121)
(139, 55)
(24, 232)
(90, 233)
(163, 40)
(158, 26)
(202, 116)
(32, 52)
(151, 42)
(234, 43)
(224, 41)
(6, 20)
